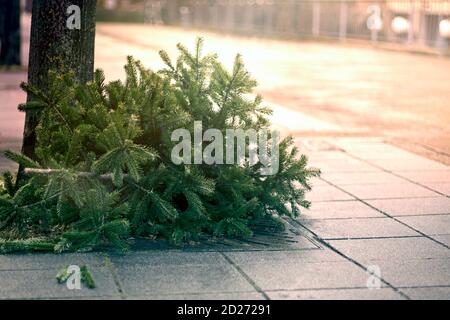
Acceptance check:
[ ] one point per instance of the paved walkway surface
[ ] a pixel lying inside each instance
(377, 207)
(379, 228)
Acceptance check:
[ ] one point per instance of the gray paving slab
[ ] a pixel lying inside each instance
(411, 163)
(48, 261)
(270, 274)
(442, 187)
(358, 228)
(327, 193)
(340, 210)
(428, 293)
(391, 249)
(386, 155)
(342, 164)
(169, 258)
(388, 191)
(324, 155)
(411, 206)
(306, 256)
(366, 149)
(368, 178)
(444, 239)
(427, 176)
(414, 272)
(83, 298)
(11, 122)
(379, 152)
(176, 272)
(42, 284)
(430, 225)
(141, 279)
(337, 294)
(318, 182)
(202, 296)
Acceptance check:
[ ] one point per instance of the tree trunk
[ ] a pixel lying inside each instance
(10, 32)
(55, 46)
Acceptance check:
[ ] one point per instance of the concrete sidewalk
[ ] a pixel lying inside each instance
(377, 207)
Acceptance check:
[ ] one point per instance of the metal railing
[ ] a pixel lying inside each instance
(421, 22)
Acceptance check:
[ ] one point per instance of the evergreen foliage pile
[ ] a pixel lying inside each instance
(103, 171)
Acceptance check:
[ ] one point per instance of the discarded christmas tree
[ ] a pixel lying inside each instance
(103, 170)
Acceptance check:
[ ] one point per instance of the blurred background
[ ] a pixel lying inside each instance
(328, 68)
(413, 22)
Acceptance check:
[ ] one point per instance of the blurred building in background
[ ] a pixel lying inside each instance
(419, 22)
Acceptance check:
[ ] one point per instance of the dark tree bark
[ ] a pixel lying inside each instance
(54, 46)
(10, 32)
